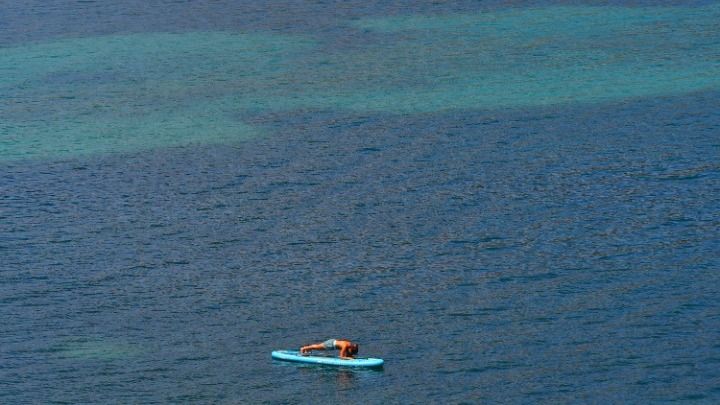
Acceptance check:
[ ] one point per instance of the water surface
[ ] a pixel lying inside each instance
(506, 202)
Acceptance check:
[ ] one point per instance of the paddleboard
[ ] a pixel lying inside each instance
(294, 355)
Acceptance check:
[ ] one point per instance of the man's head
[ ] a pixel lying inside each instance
(353, 348)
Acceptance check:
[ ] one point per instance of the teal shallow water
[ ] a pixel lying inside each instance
(129, 93)
(136, 92)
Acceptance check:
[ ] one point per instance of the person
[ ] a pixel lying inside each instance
(347, 348)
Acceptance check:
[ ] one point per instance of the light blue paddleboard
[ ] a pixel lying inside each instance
(294, 355)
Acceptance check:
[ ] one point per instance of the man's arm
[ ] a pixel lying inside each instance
(344, 349)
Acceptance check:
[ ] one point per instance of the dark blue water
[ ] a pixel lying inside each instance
(541, 253)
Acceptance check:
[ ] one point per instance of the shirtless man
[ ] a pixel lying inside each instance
(347, 348)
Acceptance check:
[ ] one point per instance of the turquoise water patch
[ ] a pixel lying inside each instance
(127, 132)
(96, 350)
(573, 20)
(514, 58)
(142, 91)
(531, 57)
(129, 93)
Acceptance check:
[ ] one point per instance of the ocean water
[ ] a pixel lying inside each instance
(512, 202)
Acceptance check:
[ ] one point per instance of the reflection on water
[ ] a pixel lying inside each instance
(344, 378)
(340, 378)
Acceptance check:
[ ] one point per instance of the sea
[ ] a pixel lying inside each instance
(507, 201)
